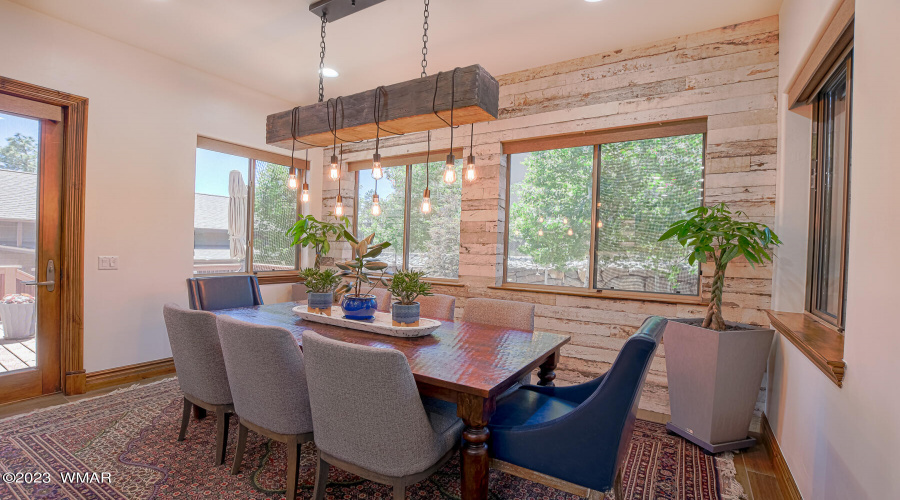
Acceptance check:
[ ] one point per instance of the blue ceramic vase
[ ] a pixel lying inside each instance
(359, 307)
(406, 314)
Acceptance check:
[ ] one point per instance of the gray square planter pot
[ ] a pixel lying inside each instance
(714, 380)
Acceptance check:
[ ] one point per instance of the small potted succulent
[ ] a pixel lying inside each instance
(17, 314)
(358, 305)
(321, 284)
(407, 286)
(715, 367)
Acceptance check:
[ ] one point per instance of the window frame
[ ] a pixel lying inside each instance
(844, 64)
(597, 139)
(407, 162)
(252, 156)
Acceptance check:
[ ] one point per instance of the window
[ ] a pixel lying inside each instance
(590, 216)
(830, 195)
(419, 242)
(236, 189)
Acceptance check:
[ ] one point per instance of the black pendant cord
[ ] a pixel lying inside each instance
(306, 170)
(331, 109)
(322, 60)
(472, 140)
(428, 162)
(380, 92)
(452, 101)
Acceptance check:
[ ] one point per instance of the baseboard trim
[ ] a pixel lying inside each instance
(130, 373)
(782, 472)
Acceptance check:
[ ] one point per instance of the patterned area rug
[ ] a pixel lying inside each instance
(131, 435)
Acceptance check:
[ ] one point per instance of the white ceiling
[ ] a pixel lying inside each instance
(273, 45)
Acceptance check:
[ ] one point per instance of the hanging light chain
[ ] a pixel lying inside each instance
(425, 42)
(322, 61)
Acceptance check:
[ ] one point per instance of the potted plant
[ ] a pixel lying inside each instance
(407, 286)
(321, 284)
(715, 367)
(359, 305)
(17, 314)
(309, 231)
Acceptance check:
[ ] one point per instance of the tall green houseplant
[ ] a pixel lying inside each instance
(715, 233)
(309, 231)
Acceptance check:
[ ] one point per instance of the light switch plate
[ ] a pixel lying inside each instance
(108, 263)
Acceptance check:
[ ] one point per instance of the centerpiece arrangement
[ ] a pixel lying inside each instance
(715, 367)
(321, 284)
(358, 305)
(407, 286)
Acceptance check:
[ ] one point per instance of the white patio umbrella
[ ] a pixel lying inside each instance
(237, 216)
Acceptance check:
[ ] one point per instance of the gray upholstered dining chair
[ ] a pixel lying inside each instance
(194, 340)
(268, 380)
(384, 299)
(437, 306)
(212, 293)
(369, 419)
(502, 313)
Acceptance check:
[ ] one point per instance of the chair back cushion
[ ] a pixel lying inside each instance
(267, 375)
(198, 356)
(505, 313)
(366, 407)
(437, 306)
(224, 292)
(384, 299)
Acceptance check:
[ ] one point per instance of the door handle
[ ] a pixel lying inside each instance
(51, 278)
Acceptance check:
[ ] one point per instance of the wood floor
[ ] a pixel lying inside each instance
(755, 470)
(17, 355)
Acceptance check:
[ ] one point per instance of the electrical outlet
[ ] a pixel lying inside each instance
(108, 263)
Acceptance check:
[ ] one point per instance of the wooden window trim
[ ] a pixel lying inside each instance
(827, 50)
(606, 136)
(845, 63)
(654, 131)
(820, 342)
(405, 160)
(230, 148)
(30, 109)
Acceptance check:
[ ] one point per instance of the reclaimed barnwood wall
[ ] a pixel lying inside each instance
(728, 74)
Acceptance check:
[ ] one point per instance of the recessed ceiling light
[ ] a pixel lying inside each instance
(329, 73)
(591, 1)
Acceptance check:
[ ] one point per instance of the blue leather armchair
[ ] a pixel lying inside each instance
(579, 433)
(224, 292)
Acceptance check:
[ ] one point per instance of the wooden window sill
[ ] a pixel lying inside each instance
(444, 282)
(275, 279)
(604, 294)
(820, 342)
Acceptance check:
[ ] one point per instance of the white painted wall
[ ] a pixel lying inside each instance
(841, 443)
(144, 116)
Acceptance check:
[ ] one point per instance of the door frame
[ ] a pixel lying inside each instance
(71, 269)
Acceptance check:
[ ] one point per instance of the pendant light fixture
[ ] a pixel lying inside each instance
(377, 172)
(426, 197)
(292, 179)
(470, 161)
(569, 232)
(304, 191)
(335, 173)
(540, 232)
(339, 202)
(450, 167)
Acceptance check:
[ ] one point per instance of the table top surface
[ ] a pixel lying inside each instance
(472, 358)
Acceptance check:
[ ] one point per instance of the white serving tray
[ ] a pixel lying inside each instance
(382, 323)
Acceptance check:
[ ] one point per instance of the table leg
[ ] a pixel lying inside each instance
(476, 413)
(547, 374)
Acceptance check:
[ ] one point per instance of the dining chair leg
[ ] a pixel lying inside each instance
(239, 450)
(185, 417)
(321, 479)
(222, 419)
(293, 467)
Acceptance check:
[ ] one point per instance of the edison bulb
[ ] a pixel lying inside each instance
(569, 232)
(339, 206)
(377, 172)
(470, 174)
(540, 232)
(450, 170)
(304, 193)
(376, 205)
(292, 182)
(541, 219)
(565, 220)
(335, 168)
(426, 202)
(599, 223)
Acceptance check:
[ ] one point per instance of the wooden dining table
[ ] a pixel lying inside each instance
(469, 364)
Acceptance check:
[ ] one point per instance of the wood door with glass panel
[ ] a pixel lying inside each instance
(31, 152)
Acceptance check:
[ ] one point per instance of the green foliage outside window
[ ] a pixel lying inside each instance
(19, 153)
